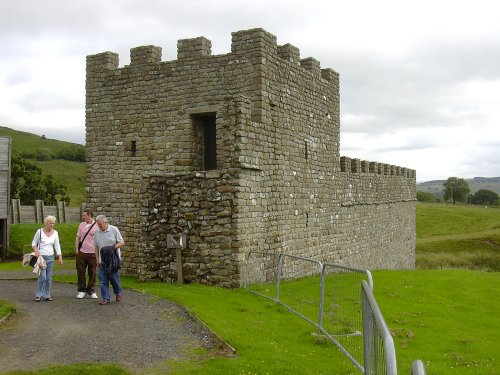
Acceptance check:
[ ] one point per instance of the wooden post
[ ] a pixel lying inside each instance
(178, 258)
(177, 244)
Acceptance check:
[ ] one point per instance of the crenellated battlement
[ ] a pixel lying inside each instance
(104, 61)
(145, 55)
(353, 165)
(194, 48)
(246, 44)
(240, 152)
(289, 53)
(256, 41)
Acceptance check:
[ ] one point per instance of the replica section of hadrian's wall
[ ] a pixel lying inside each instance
(240, 152)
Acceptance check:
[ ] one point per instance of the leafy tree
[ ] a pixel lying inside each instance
(24, 176)
(484, 196)
(456, 189)
(43, 154)
(72, 153)
(29, 184)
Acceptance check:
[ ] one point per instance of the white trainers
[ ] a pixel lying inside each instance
(93, 296)
(80, 295)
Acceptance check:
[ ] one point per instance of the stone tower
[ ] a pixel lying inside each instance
(240, 152)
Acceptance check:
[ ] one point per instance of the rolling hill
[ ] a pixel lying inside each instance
(70, 173)
(436, 186)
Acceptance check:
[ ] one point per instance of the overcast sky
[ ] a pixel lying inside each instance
(419, 80)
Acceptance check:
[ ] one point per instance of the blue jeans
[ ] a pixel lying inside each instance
(105, 278)
(45, 279)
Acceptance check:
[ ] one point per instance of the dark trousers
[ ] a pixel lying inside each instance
(84, 262)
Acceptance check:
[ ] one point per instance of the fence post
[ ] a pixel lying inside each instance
(61, 211)
(16, 211)
(278, 277)
(39, 214)
(418, 368)
(367, 332)
(178, 244)
(321, 296)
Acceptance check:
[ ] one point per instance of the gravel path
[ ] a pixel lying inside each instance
(139, 332)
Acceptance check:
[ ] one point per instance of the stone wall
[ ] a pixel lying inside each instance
(202, 206)
(363, 220)
(278, 184)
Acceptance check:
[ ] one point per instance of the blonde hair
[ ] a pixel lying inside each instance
(50, 218)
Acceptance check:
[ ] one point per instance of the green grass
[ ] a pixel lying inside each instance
(26, 142)
(21, 236)
(71, 174)
(458, 236)
(79, 369)
(5, 309)
(444, 219)
(447, 318)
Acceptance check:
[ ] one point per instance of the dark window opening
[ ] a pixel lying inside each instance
(208, 142)
(133, 147)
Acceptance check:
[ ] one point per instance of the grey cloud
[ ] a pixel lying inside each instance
(412, 91)
(448, 59)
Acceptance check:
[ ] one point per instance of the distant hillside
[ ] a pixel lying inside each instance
(24, 142)
(70, 173)
(436, 186)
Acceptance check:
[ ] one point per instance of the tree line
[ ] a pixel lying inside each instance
(28, 183)
(457, 190)
(71, 153)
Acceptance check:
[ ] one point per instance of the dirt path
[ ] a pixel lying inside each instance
(138, 333)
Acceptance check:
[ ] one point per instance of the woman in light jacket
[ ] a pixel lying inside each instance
(45, 241)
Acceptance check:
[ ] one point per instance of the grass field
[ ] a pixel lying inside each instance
(458, 236)
(71, 174)
(446, 317)
(21, 236)
(25, 141)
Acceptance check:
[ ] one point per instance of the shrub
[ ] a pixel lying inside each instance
(423, 196)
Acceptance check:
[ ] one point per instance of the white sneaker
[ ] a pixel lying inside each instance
(80, 295)
(93, 296)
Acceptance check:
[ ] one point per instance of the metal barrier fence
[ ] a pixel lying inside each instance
(418, 368)
(336, 308)
(355, 325)
(380, 355)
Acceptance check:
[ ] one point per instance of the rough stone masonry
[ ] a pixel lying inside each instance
(240, 152)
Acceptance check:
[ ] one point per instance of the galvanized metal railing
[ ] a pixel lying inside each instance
(355, 325)
(338, 320)
(380, 354)
(418, 368)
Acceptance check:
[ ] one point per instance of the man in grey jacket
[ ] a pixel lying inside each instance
(108, 236)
